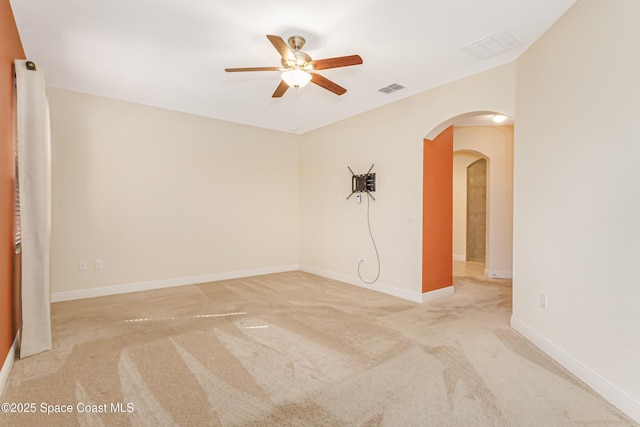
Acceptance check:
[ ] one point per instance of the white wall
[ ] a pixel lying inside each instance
(333, 230)
(461, 161)
(496, 144)
(576, 206)
(159, 195)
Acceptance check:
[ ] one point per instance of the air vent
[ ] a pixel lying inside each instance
(391, 88)
(493, 45)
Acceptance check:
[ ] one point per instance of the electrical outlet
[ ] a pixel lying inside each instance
(83, 265)
(543, 300)
(97, 264)
(358, 198)
(226, 253)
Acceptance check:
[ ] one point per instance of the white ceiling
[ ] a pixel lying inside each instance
(172, 53)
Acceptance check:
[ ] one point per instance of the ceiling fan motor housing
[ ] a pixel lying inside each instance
(302, 61)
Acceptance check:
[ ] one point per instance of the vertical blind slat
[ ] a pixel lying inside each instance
(16, 184)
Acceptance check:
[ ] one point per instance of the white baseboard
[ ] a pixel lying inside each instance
(8, 363)
(462, 258)
(438, 293)
(378, 287)
(498, 274)
(610, 392)
(168, 283)
(192, 280)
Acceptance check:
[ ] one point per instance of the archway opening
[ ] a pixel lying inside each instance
(470, 208)
(474, 132)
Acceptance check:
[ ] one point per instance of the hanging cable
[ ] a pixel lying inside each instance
(374, 247)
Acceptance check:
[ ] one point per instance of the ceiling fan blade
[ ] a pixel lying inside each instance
(327, 84)
(341, 61)
(282, 47)
(237, 70)
(280, 90)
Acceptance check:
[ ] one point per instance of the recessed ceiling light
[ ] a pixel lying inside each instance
(499, 118)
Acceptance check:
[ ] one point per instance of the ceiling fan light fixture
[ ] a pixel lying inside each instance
(298, 68)
(296, 78)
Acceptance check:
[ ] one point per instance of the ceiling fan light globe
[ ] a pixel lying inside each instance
(296, 78)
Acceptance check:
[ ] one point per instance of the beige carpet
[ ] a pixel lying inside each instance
(294, 349)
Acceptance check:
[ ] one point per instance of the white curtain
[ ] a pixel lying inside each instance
(34, 179)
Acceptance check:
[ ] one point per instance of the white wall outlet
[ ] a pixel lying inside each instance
(543, 300)
(226, 253)
(83, 265)
(358, 198)
(97, 264)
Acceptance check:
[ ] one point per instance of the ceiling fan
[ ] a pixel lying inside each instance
(298, 68)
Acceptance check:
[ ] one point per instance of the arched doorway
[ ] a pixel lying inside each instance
(470, 197)
(470, 132)
(476, 234)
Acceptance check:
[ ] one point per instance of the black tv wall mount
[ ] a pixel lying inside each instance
(365, 183)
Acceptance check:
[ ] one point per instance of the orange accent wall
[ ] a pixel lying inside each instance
(10, 49)
(437, 212)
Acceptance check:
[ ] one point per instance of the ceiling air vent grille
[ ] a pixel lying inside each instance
(391, 88)
(493, 45)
